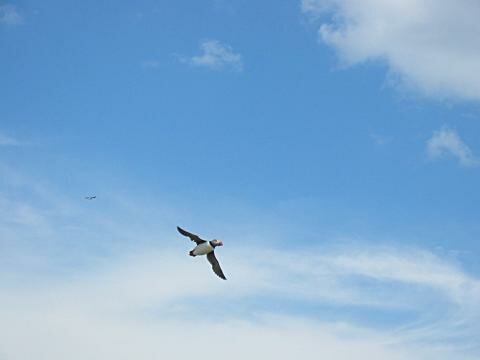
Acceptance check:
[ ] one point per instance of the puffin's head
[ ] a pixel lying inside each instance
(216, 243)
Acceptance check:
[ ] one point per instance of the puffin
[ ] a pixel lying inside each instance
(205, 248)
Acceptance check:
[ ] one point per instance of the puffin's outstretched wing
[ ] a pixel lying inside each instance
(192, 237)
(215, 265)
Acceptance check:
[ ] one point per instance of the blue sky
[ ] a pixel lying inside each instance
(332, 145)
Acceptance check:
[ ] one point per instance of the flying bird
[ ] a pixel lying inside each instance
(205, 248)
(90, 197)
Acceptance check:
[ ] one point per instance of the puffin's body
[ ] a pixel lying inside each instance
(202, 249)
(205, 248)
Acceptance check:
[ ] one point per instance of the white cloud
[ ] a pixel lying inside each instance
(136, 308)
(447, 142)
(217, 56)
(9, 15)
(431, 46)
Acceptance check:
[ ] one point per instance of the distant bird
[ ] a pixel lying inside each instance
(90, 197)
(205, 248)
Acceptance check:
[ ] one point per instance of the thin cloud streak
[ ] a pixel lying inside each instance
(9, 141)
(150, 64)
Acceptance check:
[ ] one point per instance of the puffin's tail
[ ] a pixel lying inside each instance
(191, 253)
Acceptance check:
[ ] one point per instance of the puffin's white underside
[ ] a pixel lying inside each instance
(203, 249)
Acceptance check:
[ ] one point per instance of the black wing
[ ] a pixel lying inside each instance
(215, 265)
(192, 237)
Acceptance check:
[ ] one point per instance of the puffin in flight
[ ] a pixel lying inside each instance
(90, 197)
(205, 248)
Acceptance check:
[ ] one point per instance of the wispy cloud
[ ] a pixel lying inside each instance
(9, 15)
(447, 142)
(216, 56)
(379, 139)
(9, 141)
(419, 40)
(150, 64)
(135, 298)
